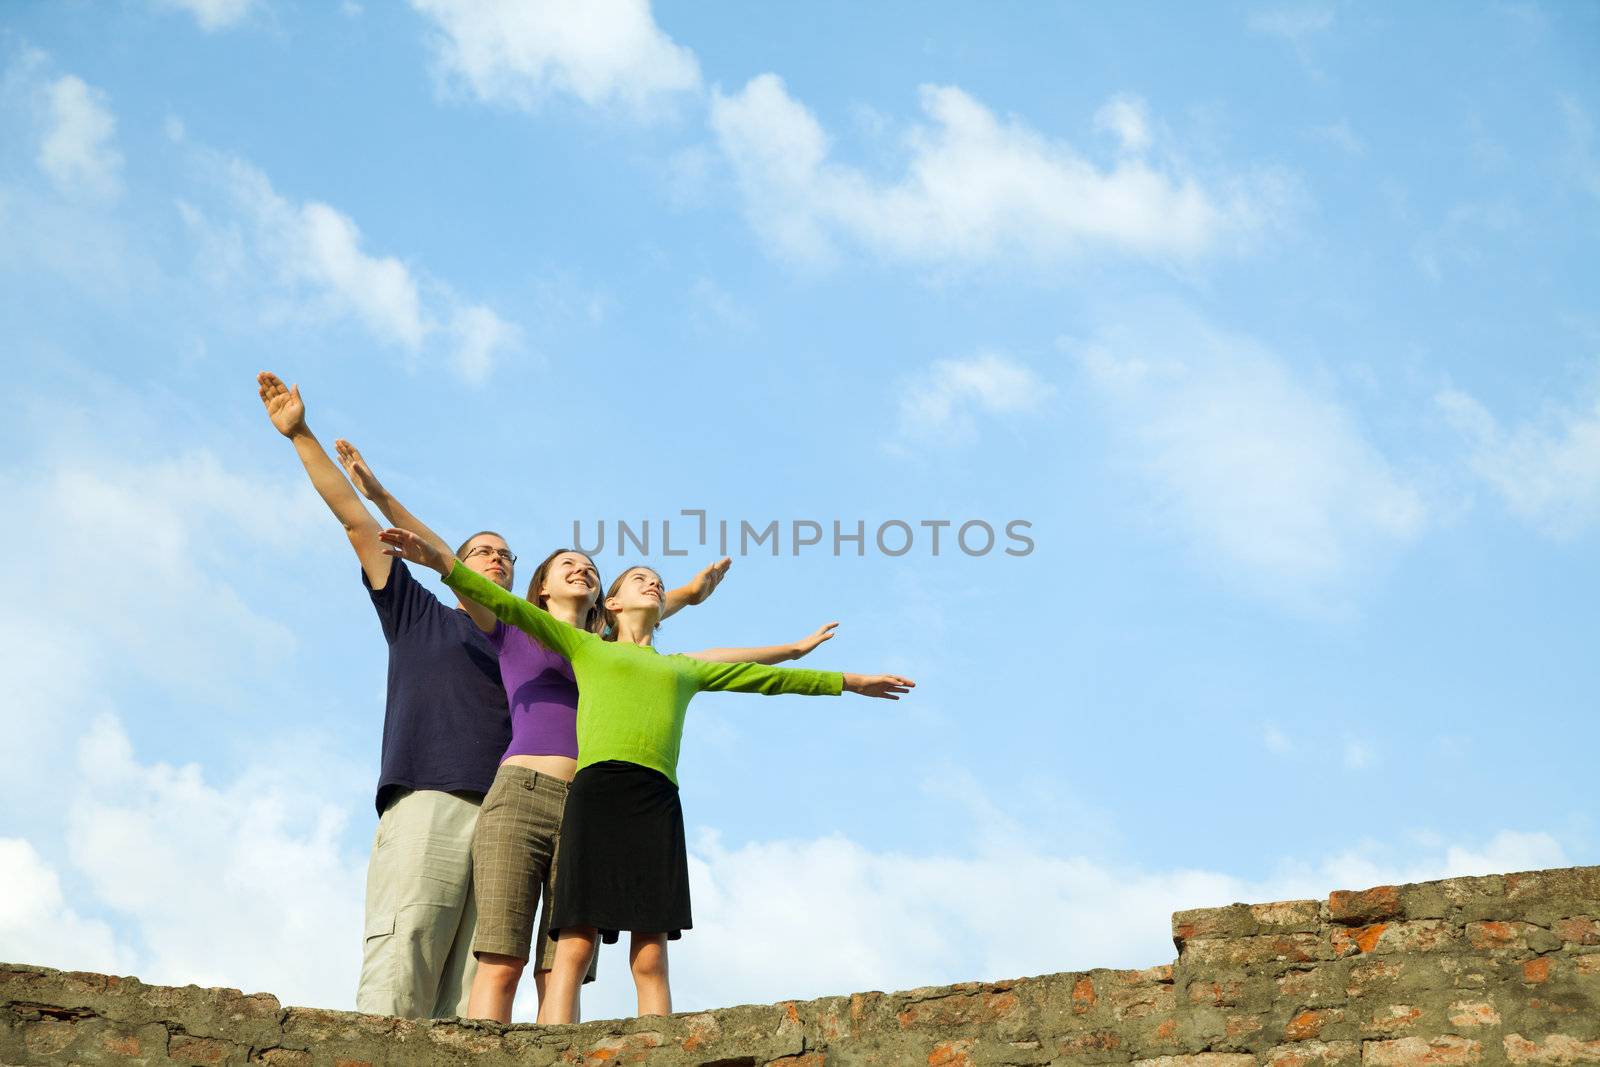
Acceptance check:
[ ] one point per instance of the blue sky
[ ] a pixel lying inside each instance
(1276, 323)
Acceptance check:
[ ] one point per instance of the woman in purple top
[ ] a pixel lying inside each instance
(514, 845)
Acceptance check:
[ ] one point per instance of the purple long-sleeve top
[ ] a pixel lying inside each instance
(542, 693)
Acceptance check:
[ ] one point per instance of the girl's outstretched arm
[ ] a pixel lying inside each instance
(768, 653)
(698, 588)
(758, 678)
(361, 476)
(510, 608)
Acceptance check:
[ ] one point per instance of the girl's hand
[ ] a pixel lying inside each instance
(805, 645)
(408, 546)
(705, 583)
(356, 469)
(887, 686)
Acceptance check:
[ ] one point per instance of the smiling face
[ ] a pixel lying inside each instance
(489, 555)
(568, 575)
(636, 589)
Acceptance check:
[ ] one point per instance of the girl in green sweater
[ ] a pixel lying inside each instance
(623, 860)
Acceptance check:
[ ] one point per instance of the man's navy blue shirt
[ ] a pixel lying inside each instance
(446, 723)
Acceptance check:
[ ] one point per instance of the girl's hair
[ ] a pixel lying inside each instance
(594, 621)
(609, 633)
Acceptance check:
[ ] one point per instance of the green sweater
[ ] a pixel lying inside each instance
(631, 698)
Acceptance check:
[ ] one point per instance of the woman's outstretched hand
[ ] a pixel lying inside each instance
(887, 686)
(806, 645)
(356, 469)
(408, 546)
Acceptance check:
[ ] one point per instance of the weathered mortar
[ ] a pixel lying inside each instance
(1503, 969)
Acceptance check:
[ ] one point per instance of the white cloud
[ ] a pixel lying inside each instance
(1298, 26)
(1125, 117)
(242, 884)
(77, 150)
(1292, 23)
(37, 926)
(1261, 472)
(139, 550)
(211, 15)
(1546, 471)
(480, 336)
(976, 186)
(175, 879)
(312, 260)
(1581, 161)
(604, 52)
(1341, 136)
(942, 405)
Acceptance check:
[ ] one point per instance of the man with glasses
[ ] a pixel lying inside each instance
(445, 726)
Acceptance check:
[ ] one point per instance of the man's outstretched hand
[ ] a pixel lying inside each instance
(887, 686)
(408, 546)
(284, 406)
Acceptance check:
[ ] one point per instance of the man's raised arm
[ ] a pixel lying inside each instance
(288, 415)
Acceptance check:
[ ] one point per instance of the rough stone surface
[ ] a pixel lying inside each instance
(1503, 969)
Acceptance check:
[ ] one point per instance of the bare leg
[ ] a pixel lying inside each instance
(647, 957)
(494, 987)
(574, 947)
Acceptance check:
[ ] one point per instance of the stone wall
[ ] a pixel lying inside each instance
(1503, 969)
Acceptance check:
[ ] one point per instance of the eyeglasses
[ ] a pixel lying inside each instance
(484, 550)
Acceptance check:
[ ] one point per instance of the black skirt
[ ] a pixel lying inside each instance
(622, 862)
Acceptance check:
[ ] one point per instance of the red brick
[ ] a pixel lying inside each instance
(1346, 943)
(1416, 936)
(1305, 1026)
(1217, 994)
(122, 1045)
(951, 1054)
(1238, 1026)
(1417, 1051)
(959, 1010)
(1366, 975)
(1536, 971)
(1093, 1041)
(1381, 902)
(200, 1051)
(285, 1057)
(1580, 930)
(1083, 996)
(800, 1059)
(1315, 1054)
(1557, 1048)
(48, 1036)
(1472, 1013)
(1392, 1019)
